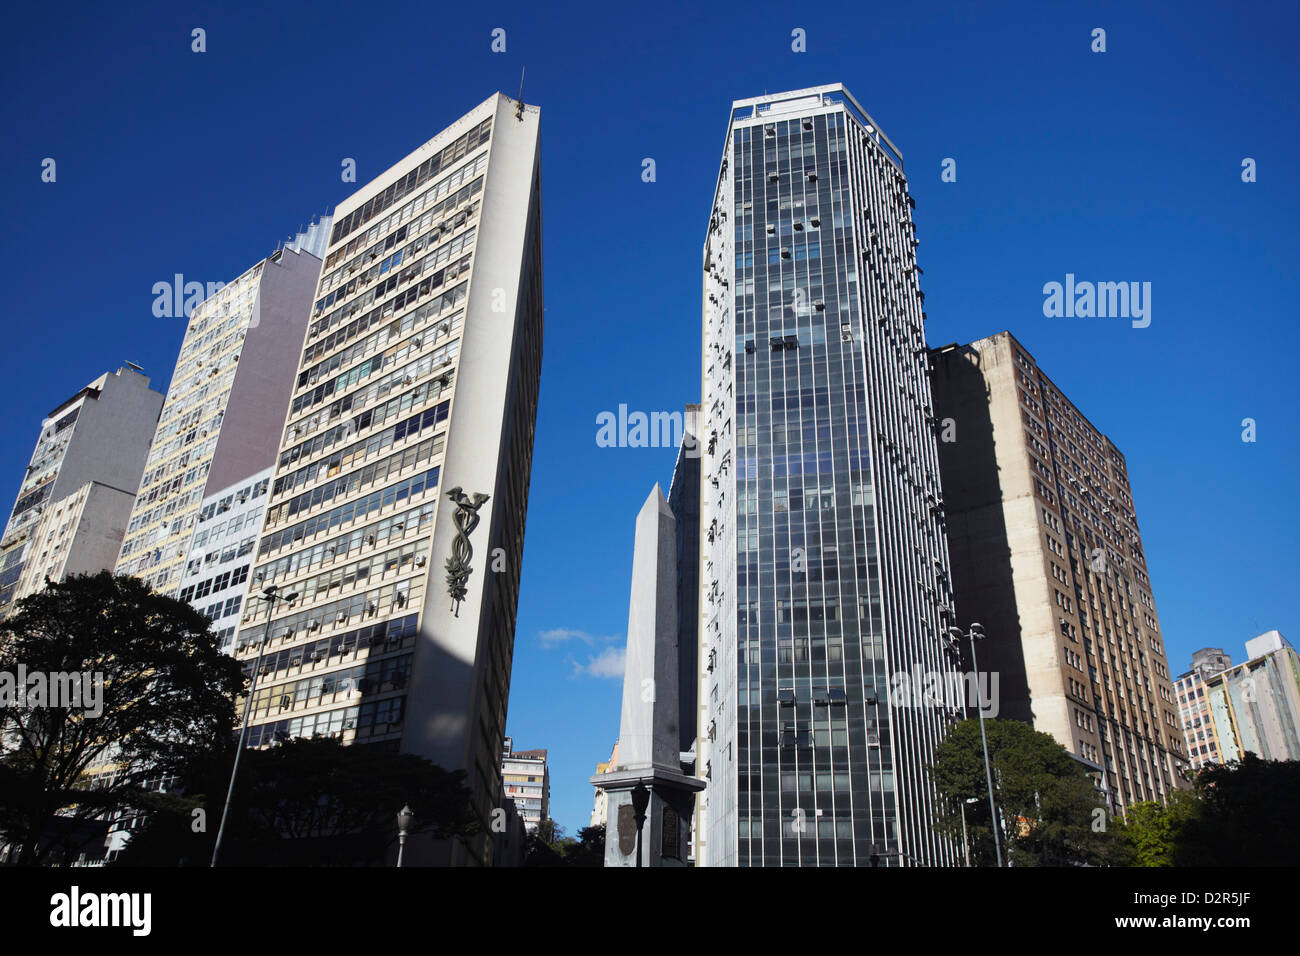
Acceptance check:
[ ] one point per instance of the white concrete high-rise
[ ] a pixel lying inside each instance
(824, 567)
(92, 446)
(397, 507)
(227, 398)
(78, 534)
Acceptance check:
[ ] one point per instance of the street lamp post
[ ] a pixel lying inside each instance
(404, 818)
(640, 801)
(976, 633)
(965, 843)
(270, 594)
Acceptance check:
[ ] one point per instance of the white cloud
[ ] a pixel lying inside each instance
(608, 663)
(560, 635)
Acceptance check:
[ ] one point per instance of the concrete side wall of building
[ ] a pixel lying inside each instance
(112, 436)
(268, 367)
(455, 691)
(684, 501)
(99, 531)
(1256, 707)
(94, 524)
(996, 534)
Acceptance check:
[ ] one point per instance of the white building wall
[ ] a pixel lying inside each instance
(78, 534)
(218, 573)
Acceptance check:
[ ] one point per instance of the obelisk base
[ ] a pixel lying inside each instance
(666, 833)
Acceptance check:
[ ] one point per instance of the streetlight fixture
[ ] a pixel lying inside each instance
(640, 800)
(270, 594)
(976, 633)
(965, 843)
(404, 818)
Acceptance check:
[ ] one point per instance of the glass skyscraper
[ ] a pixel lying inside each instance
(824, 568)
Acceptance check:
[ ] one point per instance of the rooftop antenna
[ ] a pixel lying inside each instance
(519, 103)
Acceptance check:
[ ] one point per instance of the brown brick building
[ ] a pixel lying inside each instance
(1047, 555)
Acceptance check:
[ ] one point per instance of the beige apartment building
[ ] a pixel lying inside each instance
(224, 406)
(1047, 556)
(527, 782)
(1199, 732)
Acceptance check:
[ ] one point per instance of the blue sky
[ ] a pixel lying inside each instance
(1123, 165)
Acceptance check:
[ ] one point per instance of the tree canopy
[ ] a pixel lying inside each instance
(548, 846)
(166, 697)
(1051, 813)
(304, 802)
(1237, 814)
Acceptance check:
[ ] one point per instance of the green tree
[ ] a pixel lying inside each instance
(544, 845)
(1153, 833)
(167, 698)
(305, 802)
(589, 848)
(1051, 813)
(549, 846)
(1246, 815)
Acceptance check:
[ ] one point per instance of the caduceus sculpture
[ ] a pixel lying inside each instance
(466, 518)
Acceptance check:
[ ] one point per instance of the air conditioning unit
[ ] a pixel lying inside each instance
(313, 625)
(340, 617)
(420, 560)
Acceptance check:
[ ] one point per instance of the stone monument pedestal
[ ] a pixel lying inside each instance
(666, 832)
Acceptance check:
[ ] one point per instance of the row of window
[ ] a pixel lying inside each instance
(214, 584)
(412, 181)
(388, 635)
(371, 474)
(353, 510)
(377, 717)
(381, 674)
(356, 453)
